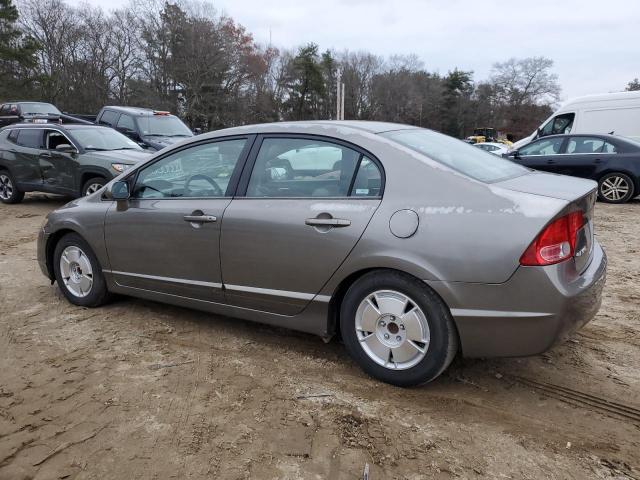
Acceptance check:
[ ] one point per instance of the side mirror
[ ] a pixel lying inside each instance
(197, 131)
(65, 148)
(120, 191)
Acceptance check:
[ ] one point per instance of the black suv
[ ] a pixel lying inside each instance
(151, 129)
(22, 111)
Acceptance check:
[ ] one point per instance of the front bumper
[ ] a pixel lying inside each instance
(43, 238)
(535, 309)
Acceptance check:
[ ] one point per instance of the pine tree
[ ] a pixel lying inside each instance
(17, 52)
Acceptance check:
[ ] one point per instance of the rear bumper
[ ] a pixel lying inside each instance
(535, 309)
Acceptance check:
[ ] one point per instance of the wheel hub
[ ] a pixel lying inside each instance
(390, 331)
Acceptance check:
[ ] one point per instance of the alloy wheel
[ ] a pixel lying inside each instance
(6, 187)
(392, 329)
(93, 188)
(615, 188)
(76, 271)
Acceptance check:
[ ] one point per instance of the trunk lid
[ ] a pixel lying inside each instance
(550, 185)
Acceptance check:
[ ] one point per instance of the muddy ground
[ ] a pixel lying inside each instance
(142, 390)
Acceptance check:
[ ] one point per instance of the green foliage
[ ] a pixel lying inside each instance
(17, 53)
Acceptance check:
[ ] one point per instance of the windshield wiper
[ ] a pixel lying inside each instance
(96, 149)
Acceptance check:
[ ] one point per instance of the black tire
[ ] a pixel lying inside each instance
(607, 194)
(443, 344)
(9, 192)
(97, 294)
(92, 182)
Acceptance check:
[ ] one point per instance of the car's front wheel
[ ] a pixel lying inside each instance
(616, 188)
(397, 329)
(78, 272)
(9, 192)
(93, 185)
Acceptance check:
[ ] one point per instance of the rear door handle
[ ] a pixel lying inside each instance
(200, 218)
(550, 161)
(327, 222)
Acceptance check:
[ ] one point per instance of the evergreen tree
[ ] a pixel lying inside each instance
(17, 53)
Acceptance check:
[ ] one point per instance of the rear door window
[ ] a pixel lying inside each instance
(548, 146)
(303, 168)
(13, 136)
(578, 145)
(108, 118)
(30, 138)
(5, 109)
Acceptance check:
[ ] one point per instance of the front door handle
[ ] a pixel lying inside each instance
(551, 162)
(327, 222)
(45, 155)
(200, 218)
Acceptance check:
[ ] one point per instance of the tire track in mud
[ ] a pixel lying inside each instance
(582, 399)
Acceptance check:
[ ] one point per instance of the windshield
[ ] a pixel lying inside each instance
(41, 108)
(459, 155)
(163, 125)
(99, 138)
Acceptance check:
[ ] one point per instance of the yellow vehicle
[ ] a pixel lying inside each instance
(487, 134)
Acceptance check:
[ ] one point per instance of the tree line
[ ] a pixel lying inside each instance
(183, 56)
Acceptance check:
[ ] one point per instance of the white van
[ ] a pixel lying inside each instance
(615, 113)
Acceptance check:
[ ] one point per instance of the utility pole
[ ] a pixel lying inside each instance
(339, 97)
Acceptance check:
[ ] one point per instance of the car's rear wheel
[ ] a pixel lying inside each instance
(78, 272)
(93, 185)
(9, 192)
(616, 188)
(397, 329)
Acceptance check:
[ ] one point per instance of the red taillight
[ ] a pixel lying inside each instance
(556, 242)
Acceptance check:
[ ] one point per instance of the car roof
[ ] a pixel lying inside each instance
(317, 127)
(133, 110)
(69, 126)
(24, 101)
(495, 144)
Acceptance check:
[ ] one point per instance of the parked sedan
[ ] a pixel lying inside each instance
(613, 161)
(413, 245)
(71, 160)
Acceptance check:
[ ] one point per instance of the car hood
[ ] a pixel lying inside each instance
(161, 142)
(551, 185)
(122, 156)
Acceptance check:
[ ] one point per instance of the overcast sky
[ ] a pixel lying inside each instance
(595, 44)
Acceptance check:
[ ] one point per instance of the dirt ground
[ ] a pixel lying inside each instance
(143, 390)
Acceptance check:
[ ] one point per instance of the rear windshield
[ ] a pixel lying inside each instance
(163, 125)
(459, 155)
(38, 108)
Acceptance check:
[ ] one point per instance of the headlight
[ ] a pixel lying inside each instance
(119, 167)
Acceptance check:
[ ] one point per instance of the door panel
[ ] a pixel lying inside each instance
(27, 150)
(583, 156)
(59, 169)
(177, 256)
(176, 206)
(276, 256)
(542, 154)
